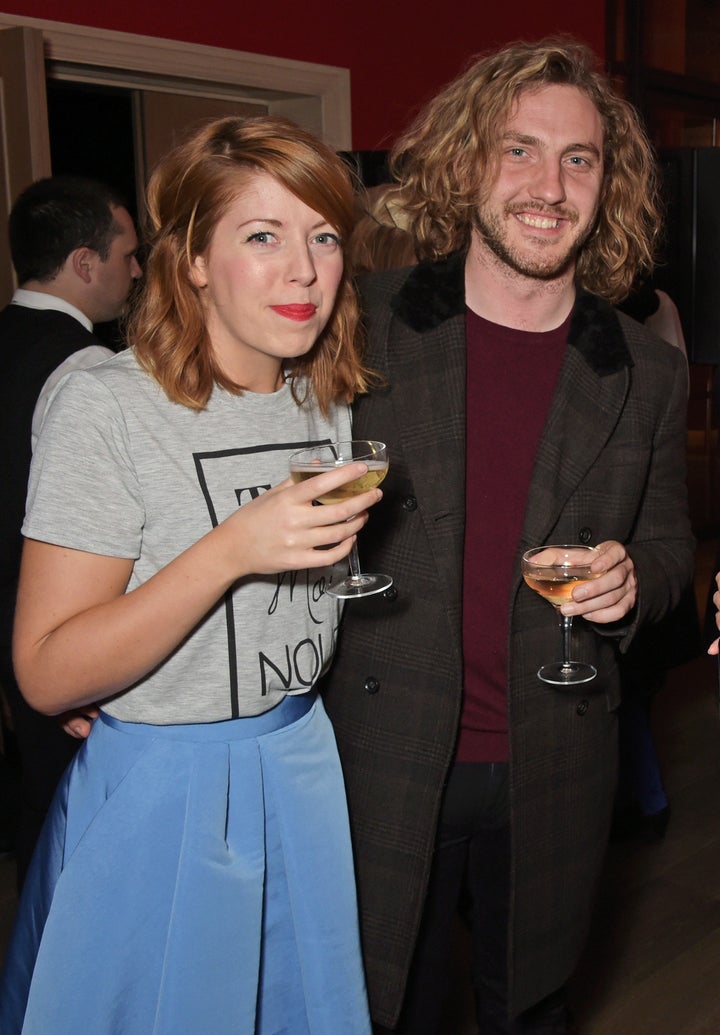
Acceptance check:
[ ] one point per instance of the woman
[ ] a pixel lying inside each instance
(195, 873)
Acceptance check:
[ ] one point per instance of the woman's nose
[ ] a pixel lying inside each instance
(301, 266)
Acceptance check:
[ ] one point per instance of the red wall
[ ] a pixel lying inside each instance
(397, 57)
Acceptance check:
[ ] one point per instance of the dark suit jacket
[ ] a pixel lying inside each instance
(610, 465)
(33, 342)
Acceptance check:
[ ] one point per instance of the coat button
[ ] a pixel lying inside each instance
(391, 593)
(372, 685)
(582, 707)
(409, 503)
(585, 535)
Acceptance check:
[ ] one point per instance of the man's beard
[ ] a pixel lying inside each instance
(493, 233)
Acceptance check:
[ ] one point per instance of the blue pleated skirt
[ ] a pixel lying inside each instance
(193, 880)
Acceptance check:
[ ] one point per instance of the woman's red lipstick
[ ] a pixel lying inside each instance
(296, 312)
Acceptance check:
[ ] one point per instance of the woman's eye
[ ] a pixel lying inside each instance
(326, 238)
(262, 237)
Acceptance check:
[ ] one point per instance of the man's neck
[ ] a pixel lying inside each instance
(498, 293)
(58, 289)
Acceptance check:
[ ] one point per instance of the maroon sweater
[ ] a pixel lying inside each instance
(511, 376)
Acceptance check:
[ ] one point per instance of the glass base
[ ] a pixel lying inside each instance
(567, 674)
(362, 586)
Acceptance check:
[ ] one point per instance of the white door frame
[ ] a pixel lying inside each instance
(316, 96)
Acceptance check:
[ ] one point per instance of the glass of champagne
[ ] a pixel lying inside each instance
(307, 463)
(553, 572)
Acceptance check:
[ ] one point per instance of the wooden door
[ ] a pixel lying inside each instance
(24, 135)
(166, 117)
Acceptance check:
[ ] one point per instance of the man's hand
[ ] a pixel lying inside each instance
(611, 595)
(79, 723)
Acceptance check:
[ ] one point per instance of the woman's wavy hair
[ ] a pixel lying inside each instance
(446, 160)
(189, 192)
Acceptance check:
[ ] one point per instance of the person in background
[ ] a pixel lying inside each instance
(520, 409)
(714, 648)
(195, 871)
(73, 245)
(380, 239)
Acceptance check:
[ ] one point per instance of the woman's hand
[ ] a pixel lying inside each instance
(282, 529)
(714, 647)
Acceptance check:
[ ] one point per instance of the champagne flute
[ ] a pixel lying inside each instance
(307, 463)
(553, 572)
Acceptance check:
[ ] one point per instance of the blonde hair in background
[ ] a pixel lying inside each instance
(189, 191)
(445, 160)
(380, 240)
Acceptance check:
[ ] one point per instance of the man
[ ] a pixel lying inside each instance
(73, 245)
(520, 409)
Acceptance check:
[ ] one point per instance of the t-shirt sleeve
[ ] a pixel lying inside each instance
(79, 360)
(83, 491)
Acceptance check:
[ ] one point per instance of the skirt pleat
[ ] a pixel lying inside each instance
(192, 880)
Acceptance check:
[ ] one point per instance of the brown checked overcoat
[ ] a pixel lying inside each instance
(610, 465)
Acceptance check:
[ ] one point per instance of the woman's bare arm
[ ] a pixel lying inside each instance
(79, 637)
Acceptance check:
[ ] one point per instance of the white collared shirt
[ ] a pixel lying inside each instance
(43, 300)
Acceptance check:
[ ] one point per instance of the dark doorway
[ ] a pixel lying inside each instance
(91, 134)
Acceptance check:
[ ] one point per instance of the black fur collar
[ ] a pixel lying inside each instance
(596, 333)
(435, 292)
(432, 293)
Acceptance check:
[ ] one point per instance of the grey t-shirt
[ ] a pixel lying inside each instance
(121, 471)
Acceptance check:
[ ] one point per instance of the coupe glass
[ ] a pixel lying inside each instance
(307, 463)
(553, 572)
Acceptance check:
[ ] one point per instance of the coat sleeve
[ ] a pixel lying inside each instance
(662, 545)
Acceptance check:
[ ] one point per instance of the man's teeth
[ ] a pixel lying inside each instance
(541, 222)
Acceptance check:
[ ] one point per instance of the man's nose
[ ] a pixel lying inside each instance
(548, 183)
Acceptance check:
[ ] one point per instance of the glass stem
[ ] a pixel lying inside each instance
(566, 633)
(355, 573)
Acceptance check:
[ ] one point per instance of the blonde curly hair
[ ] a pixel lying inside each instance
(445, 160)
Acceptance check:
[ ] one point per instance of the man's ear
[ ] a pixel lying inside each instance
(83, 261)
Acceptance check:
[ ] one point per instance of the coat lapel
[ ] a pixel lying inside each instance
(587, 404)
(429, 354)
(428, 358)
